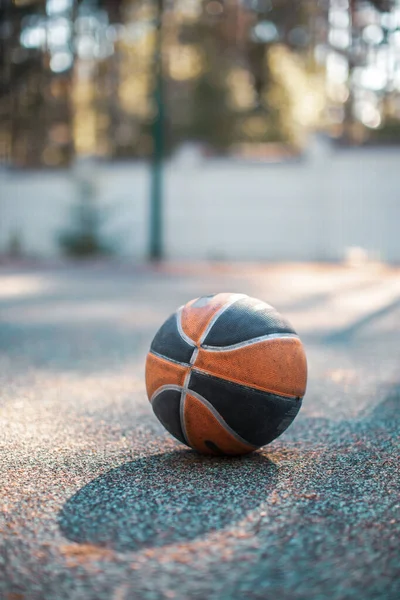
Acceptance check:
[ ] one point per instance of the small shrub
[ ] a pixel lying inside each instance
(84, 237)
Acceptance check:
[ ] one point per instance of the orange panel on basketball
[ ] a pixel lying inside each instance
(202, 426)
(162, 372)
(197, 314)
(278, 365)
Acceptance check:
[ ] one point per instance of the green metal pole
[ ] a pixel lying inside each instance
(156, 190)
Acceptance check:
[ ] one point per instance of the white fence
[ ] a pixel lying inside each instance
(308, 210)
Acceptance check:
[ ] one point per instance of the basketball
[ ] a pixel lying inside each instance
(226, 374)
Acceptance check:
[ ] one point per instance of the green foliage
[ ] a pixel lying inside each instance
(84, 237)
(212, 121)
(389, 133)
(15, 244)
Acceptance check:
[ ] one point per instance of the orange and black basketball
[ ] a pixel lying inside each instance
(226, 374)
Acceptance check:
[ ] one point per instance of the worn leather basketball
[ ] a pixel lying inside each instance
(226, 374)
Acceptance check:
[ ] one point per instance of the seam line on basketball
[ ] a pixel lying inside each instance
(249, 386)
(261, 338)
(164, 388)
(194, 356)
(182, 406)
(168, 359)
(195, 353)
(183, 335)
(220, 420)
(217, 315)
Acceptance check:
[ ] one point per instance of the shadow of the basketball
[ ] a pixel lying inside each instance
(166, 498)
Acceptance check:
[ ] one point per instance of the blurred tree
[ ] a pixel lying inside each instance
(22, 79)
(84, 236)
(78, 77)
(383, 5)
(363, 69)
(35, 97)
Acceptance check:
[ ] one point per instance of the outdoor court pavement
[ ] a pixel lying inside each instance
(98, 501)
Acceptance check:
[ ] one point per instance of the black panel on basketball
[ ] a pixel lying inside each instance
(170, 344)
(244, 320)
(166, 407)
(258, 417)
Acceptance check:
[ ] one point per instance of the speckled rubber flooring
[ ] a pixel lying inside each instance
(99, 502)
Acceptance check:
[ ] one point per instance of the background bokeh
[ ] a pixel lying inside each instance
(253, 145)
(94, 92)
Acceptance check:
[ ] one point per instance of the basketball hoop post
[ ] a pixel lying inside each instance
(156, 241)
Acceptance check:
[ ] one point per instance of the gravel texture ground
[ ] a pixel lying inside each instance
(99, 502)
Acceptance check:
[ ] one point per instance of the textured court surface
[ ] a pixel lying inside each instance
(99, 502)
